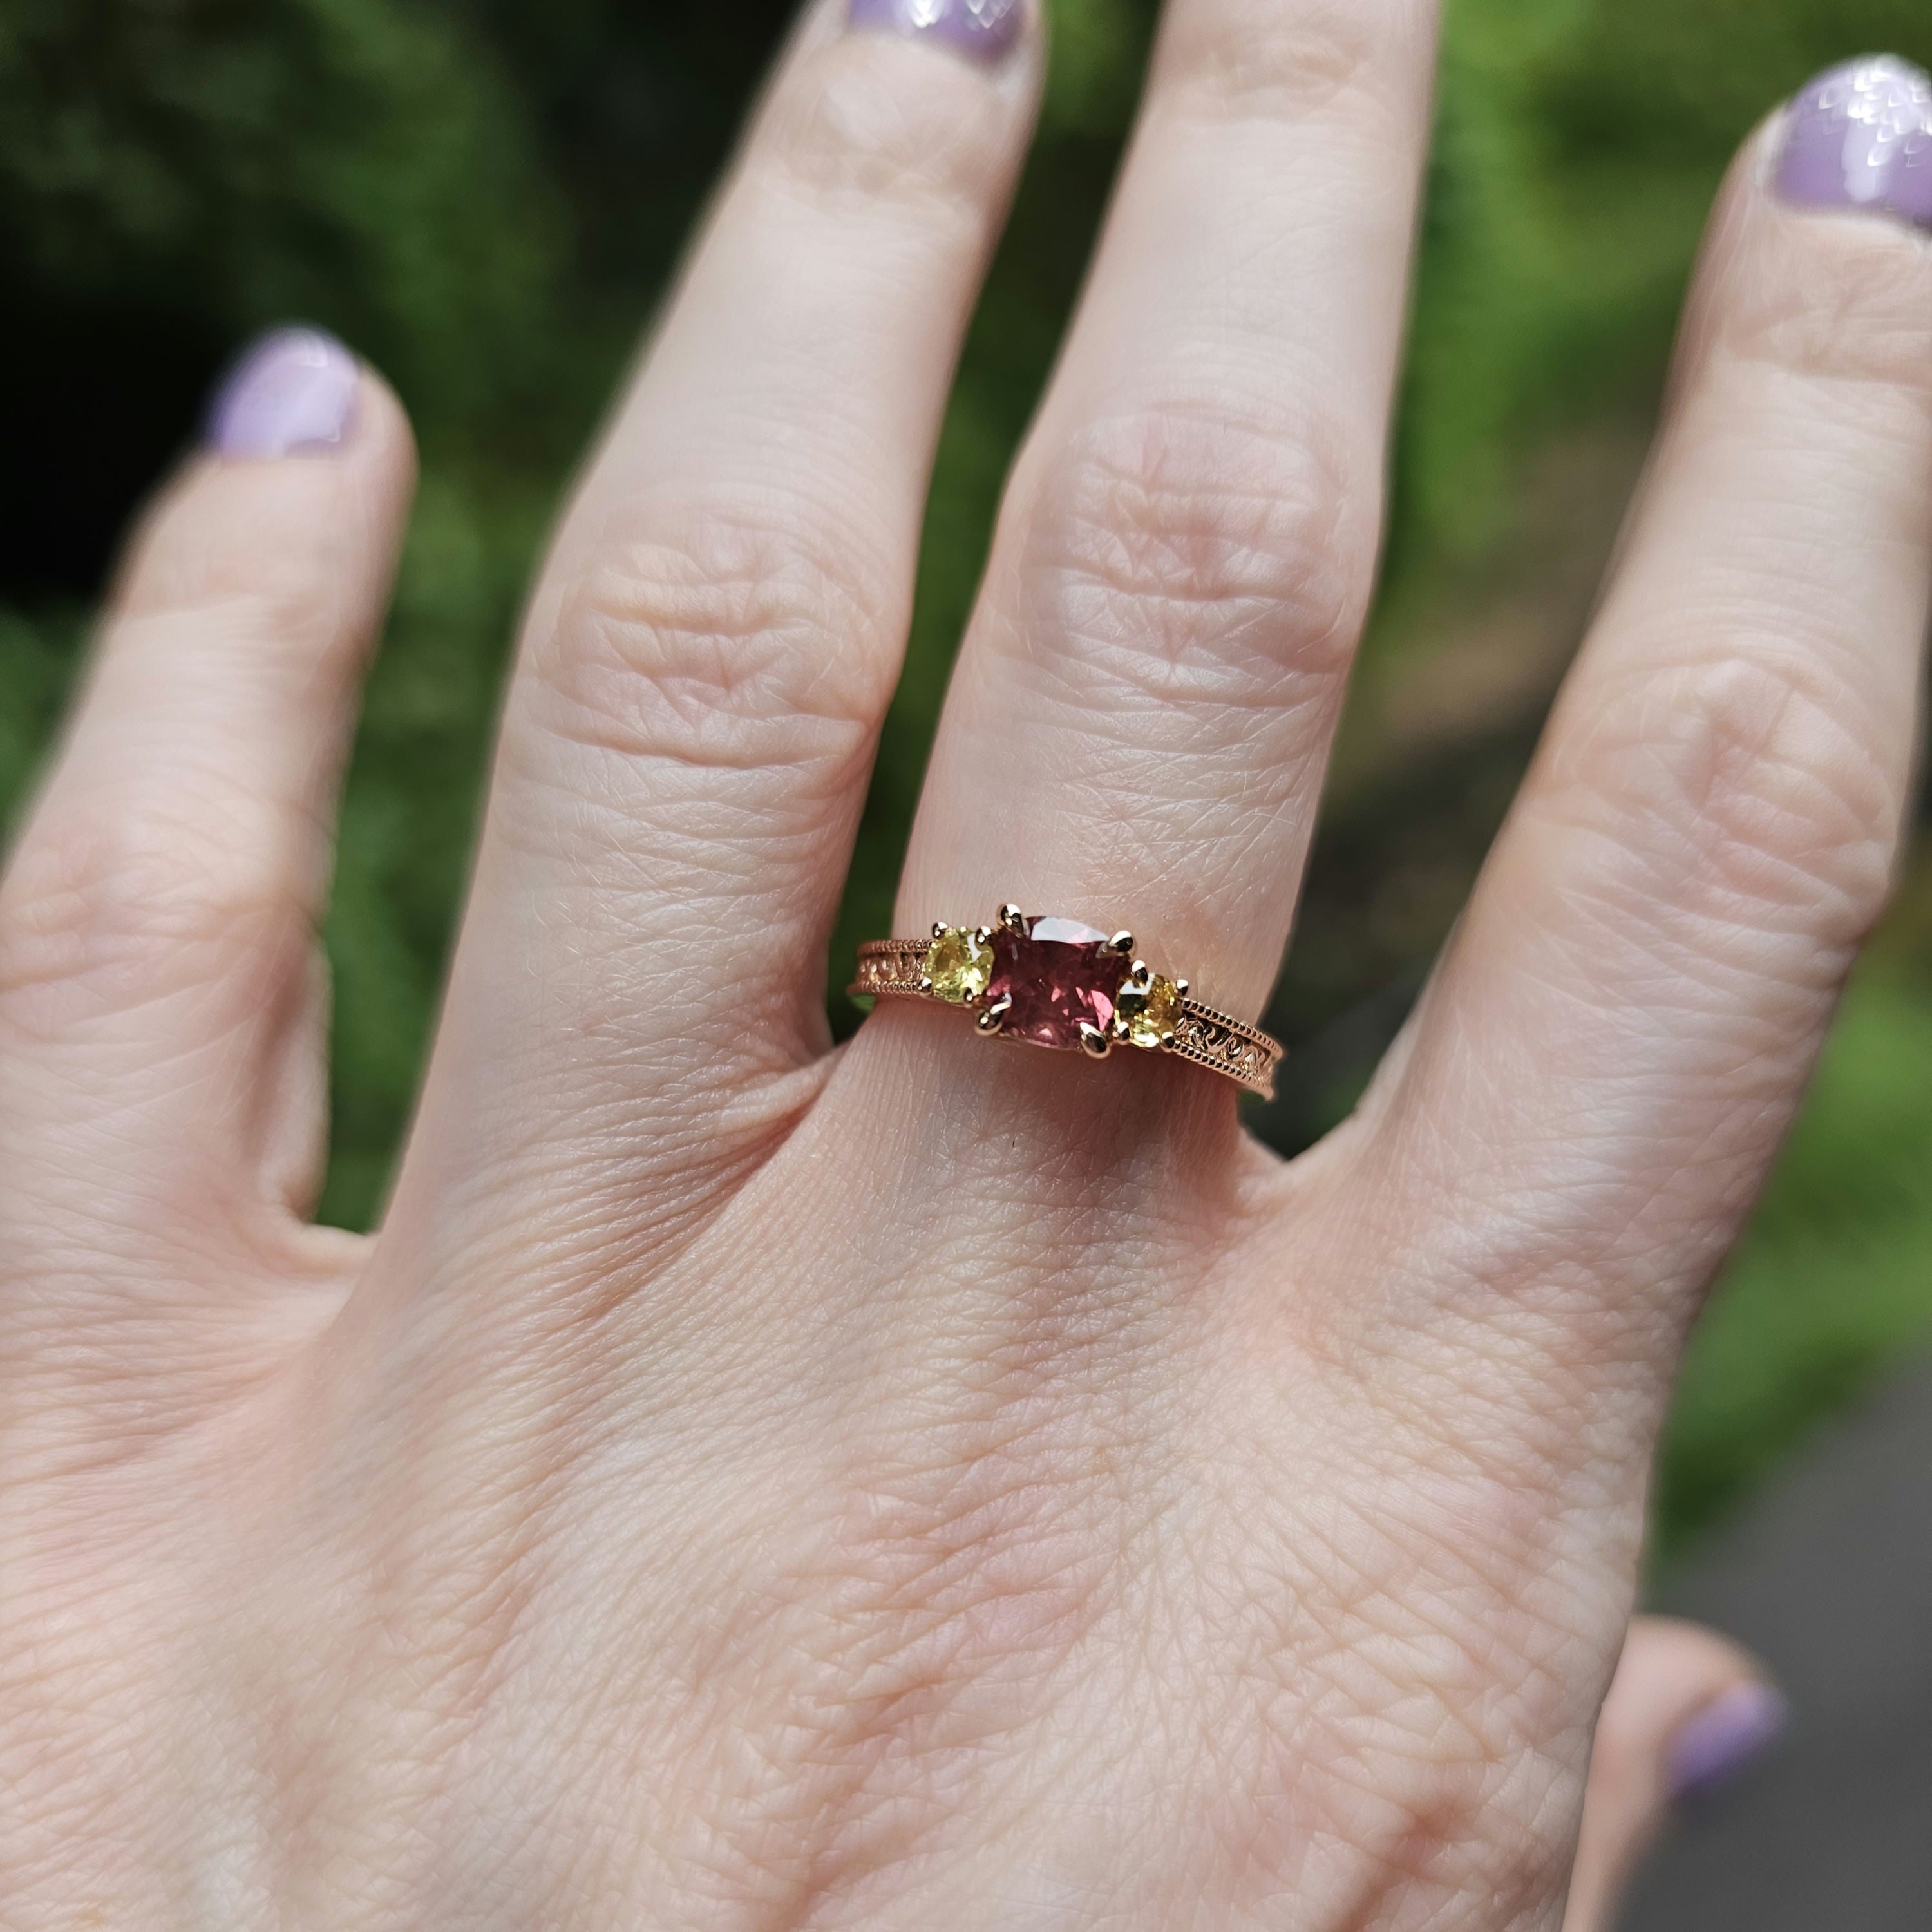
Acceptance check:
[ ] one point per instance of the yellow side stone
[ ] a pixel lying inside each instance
(960, 965)
(1150, 1016)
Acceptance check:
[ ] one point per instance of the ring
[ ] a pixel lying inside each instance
(1055, 982)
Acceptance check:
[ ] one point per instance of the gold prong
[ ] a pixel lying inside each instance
(1094, 1042)
(1012, 918)
(1140, 976)
(983, 934)
(1180, 989)
(988, 1019)
(925, 982)
(1122, 942)
(939, 928)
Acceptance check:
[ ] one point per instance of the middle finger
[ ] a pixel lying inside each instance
(1138, 725)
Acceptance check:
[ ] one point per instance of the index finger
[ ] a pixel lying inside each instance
(1598, 1078)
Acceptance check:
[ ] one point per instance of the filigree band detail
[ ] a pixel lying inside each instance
(1227, 1046)
(891, 967)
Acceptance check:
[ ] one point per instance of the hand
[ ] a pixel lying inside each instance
(935, 1483)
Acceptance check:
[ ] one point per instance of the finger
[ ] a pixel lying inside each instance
(1142, 708)
(714, 639)
(1616, 1041)
(1686, 1711)
(159, 1020)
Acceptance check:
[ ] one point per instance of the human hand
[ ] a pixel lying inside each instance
(937, 1484)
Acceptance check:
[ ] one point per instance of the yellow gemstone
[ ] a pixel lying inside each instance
(959, 964)
(1151, 1015)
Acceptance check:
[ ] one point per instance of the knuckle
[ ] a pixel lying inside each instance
(1255, 57)
(725, 636)
(107, 910)
(1201, 551)
(1745, 774)
(222, 557)
(854, 126)
(1864, 317)
(273, 601)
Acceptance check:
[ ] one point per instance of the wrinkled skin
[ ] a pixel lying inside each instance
(936, 1483)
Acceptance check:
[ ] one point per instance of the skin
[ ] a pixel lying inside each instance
(743, 1486)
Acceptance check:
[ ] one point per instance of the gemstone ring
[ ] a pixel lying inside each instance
(1056, 982)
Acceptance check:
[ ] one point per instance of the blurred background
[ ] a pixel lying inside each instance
(486, 197)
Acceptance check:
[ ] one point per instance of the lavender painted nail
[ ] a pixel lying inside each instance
(983, 30)
(1713, 1745)
(1860, 136)
(293, 390)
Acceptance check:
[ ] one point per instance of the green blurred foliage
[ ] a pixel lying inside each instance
(486, 197)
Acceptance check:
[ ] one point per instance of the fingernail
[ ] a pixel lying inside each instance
(1713, 1745)
(293, 390)
(1860, 136)
(985, 31)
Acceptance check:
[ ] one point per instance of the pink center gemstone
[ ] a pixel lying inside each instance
(1059, 974)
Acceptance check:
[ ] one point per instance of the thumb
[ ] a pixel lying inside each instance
(1686, 1710)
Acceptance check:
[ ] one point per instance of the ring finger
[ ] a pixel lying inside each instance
(1143, 706)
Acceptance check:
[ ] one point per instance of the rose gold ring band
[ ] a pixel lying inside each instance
(1055, 982)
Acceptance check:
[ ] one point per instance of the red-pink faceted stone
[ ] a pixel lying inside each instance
(1059, 974)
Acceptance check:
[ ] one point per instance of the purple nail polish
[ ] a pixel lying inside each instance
(1860, 136)
(1713, 1745)
(983, 30)
(293, 390)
